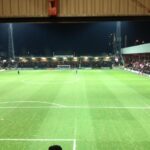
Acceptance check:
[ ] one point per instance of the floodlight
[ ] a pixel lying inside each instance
(44, 59)
(64, 58)
(96, 58)
(107, 58)
(33, 58)
(54, 58)
(75, 59)
(86, 58)
(4, 61)
(12, 61)
(24, 60)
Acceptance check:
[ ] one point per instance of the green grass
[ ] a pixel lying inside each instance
(100, 109)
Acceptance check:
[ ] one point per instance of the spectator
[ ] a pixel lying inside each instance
(55, 147)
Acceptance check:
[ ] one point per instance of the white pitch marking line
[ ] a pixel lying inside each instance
(39, 107)
(42, 140)
(40, 102)
(72, 107)
(75, 135)
(74, 144)
(107, 107)
(39, 140)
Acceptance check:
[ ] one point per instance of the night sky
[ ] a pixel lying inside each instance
(69, 38)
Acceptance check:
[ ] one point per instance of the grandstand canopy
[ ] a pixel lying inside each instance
(139, 49)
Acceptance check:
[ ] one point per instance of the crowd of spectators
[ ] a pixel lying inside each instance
(140, 66)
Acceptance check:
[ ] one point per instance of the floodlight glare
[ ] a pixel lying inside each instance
(54, 58)
(33, 58)
(108, 57)
(75, 59)
(43, 58)
(64, 58)
(24, 60)
(96, 58)
(12, 61)
(86, 58)
(4, 61)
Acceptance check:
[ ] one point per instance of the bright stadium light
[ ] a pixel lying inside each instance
(44, 59)
(75, 59)
(12, 61)
(107, 58)
(33, 58)
(20, 58)
(54, 58)
(64, 58)
(96, 58)
(86, 58)
(24, 60)
(4, 61)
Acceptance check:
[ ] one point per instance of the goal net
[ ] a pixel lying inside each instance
(63, 66)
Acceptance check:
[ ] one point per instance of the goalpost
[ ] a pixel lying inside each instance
(63, 66)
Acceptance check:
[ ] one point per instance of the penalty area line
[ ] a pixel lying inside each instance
(39, 140)
(36, 102)
(73, 107)
(74, 144)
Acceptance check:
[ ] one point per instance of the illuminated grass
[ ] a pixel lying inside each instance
(50, 104)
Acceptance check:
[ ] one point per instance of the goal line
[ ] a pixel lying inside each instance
(77, 107)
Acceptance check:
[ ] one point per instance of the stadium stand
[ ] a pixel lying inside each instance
(54, 62)
(137, 58)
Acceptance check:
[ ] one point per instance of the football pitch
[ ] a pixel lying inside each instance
(90, 110)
